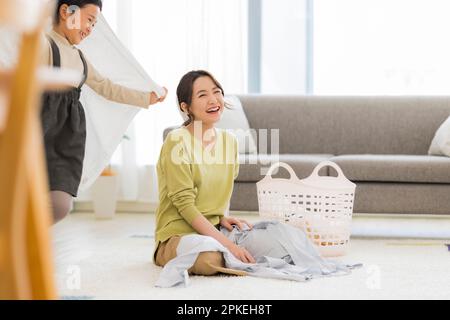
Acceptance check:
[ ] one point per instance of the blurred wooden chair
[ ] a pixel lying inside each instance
(26, 262)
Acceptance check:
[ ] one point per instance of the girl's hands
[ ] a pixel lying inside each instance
(154, 98)
(228, 222)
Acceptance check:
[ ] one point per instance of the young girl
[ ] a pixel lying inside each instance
(63, 118)
(196, 172)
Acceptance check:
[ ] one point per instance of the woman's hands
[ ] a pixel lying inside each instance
(228, 222)
(204, 227)
(239, 252)
(154, 98)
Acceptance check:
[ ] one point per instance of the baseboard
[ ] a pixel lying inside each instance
(411, 226)
(146, 207)
(137, 207)
(122, 207)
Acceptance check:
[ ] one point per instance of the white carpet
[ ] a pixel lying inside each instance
(112, 260)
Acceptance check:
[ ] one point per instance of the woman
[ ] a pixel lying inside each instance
(63, 118)
(196, 172)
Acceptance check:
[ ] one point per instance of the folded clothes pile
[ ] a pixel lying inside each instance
(280, 250)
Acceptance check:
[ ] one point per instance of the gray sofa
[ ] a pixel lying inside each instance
(381, 144)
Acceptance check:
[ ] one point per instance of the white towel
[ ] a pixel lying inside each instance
(108, 121)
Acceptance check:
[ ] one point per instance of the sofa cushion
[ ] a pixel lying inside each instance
(395, 168)
(235, 120)
(254, 167)
(371, 197)
(440, 146)
(348, 125)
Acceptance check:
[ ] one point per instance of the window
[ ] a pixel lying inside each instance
(172, 37)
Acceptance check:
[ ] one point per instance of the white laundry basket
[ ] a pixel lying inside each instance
(320, 205)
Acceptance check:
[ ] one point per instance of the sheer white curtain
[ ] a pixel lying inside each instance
(170, 38)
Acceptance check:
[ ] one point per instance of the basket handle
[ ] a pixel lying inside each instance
(283, 165)
(328, 164)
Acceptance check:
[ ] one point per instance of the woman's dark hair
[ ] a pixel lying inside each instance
(186, 87)
(78, 3)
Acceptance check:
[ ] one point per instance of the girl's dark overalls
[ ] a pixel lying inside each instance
(64, 128)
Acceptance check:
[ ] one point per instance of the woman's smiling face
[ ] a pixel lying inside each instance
(78, 25)
(207, 101)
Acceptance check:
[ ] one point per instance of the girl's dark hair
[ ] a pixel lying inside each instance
(186, 87)
(78, 3)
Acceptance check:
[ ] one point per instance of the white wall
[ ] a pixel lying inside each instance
(379, 47)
